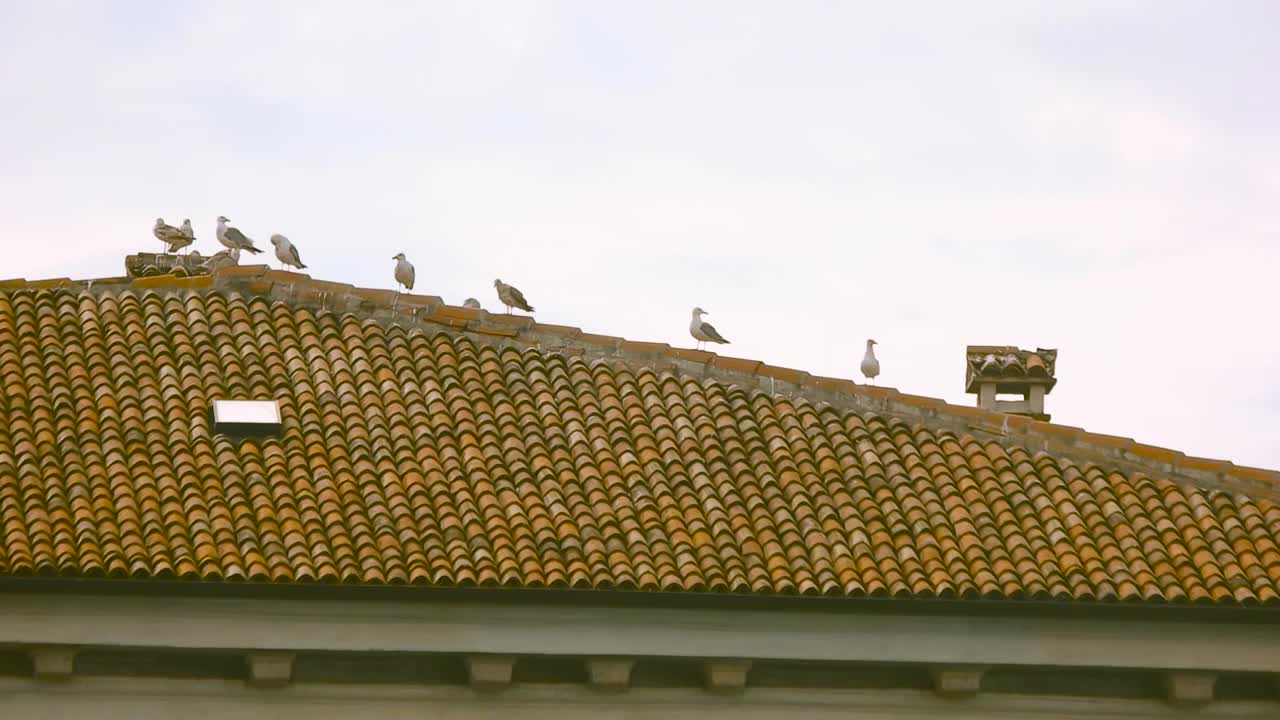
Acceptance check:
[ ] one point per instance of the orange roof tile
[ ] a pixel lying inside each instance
(432, 445)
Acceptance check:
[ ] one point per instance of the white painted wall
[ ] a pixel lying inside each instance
(590, 631)
(151, 699)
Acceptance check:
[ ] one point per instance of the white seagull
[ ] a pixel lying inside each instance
(171, 236)
(870, 365)
(471, 303)
(286, 253)
(404, 271)
(232, 238)
(703, 332)
(511, 297)
(187, 231)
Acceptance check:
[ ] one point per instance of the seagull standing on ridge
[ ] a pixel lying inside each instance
(404, 271)
(171, 236)
(870, 365)
(471, 303)
(286, 253)
(703, 332)
(232, 238)
(511, 297)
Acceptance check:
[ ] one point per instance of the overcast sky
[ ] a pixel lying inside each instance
(1099, 177)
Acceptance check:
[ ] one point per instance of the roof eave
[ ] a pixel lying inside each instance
(566, 597)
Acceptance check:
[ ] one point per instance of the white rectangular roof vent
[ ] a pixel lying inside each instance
(246, 417)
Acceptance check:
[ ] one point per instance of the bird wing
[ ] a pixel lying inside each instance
(517, 299)
(173, 237)
(238, 238)
(712, 334)
(293, 252)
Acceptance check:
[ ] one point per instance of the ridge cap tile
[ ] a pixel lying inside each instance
(239, 271)
(783, 374)
(460, 312)
(505, 319)
(688, 355)
(742, 365)
(641, 346)
(596, 339)
(567, 330)
(326, 286)
(49, 283)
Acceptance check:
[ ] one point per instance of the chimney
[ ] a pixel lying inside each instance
(147, 264)
(992, 370)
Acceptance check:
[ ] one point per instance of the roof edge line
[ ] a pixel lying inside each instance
(915, 605)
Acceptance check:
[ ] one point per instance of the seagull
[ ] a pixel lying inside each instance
(870, 365)
(703, 332)
(187, 232)
(232, 238)
(471, 303)
(511, 297)
(171, 236)
(286, 253)
(404, 271)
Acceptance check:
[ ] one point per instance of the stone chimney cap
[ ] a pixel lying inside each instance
(146, 264)
(1010, 368)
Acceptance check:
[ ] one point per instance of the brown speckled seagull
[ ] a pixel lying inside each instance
(173, 238)
(511, 297)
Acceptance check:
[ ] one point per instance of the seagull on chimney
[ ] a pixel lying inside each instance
(232, 238)
(171, 236)
(187, 231)
(870, 365)
(702, 331)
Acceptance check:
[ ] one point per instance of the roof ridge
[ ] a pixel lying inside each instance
(1106, 451)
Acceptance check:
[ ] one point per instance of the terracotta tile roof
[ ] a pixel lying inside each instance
(443, 446)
